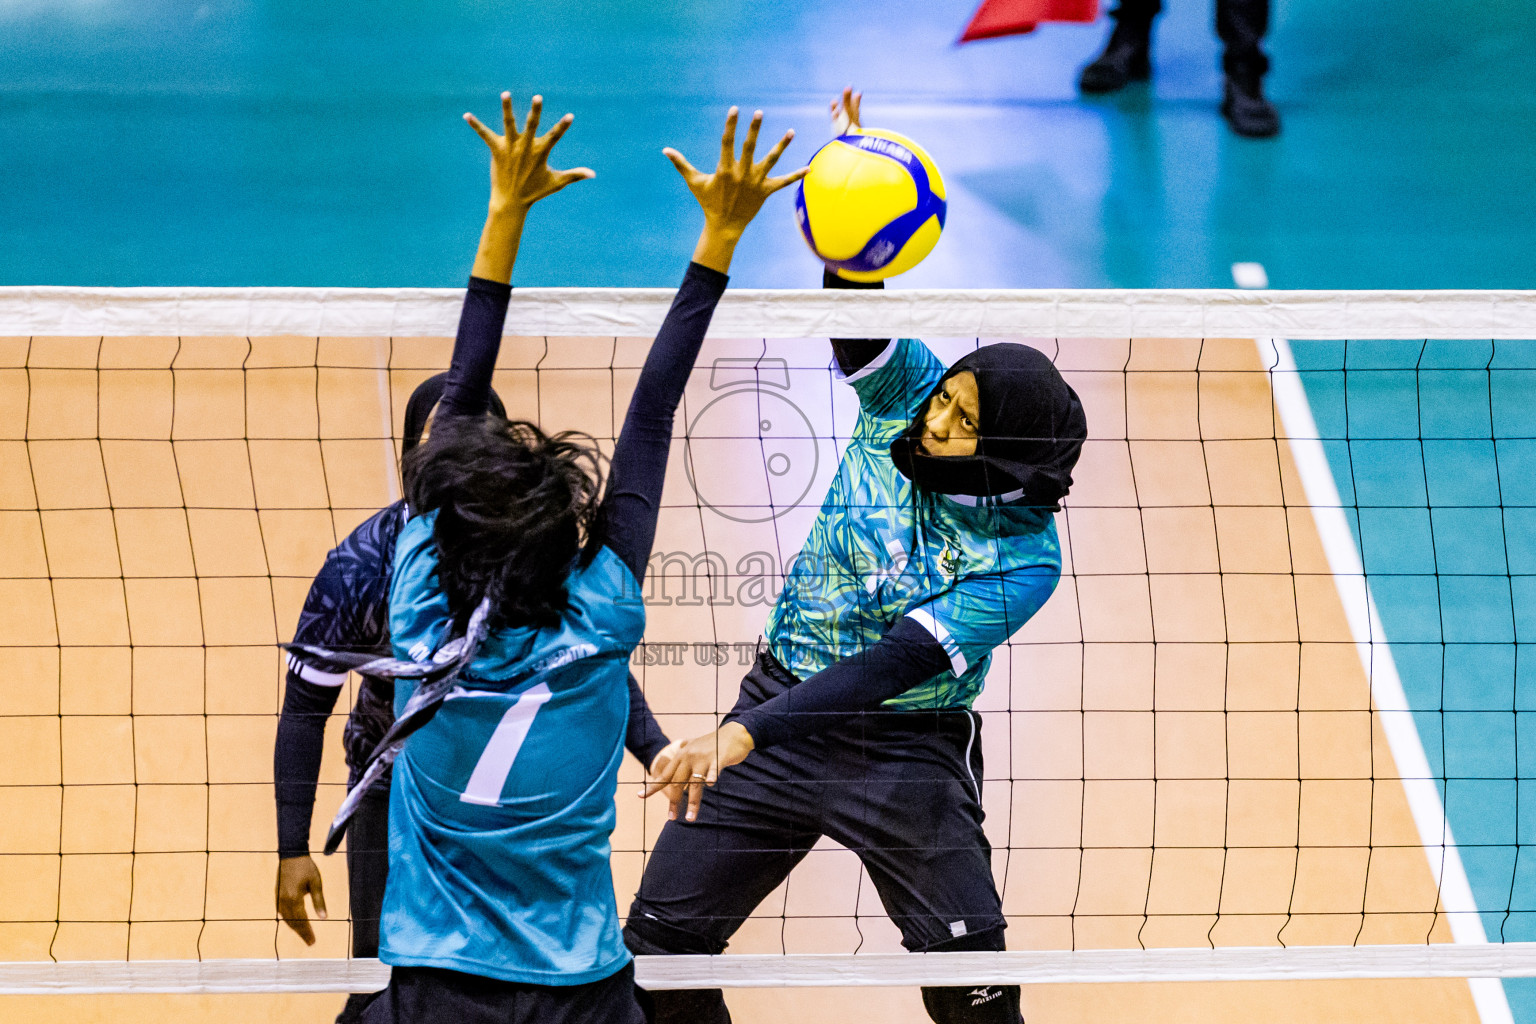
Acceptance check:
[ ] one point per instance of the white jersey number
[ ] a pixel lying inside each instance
(490, 775)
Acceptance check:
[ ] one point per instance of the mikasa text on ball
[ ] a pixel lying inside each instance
(872, 204)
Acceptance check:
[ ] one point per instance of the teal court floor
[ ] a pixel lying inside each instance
(236, 142)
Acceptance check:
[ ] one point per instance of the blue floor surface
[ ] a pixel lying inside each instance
(231, 142)
(1433, 446)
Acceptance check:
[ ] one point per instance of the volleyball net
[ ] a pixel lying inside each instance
(1269, 725)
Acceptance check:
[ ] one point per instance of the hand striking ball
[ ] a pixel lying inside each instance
(872, 204)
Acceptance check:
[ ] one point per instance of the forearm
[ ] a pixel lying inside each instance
(296, 760)
(499, 241)
(905, 657)
(639, 467)
(468, 391)
(853, 354)
(644, 737)
(716, 246)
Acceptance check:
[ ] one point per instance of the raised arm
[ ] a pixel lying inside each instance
(853, 354)
(520, 177)
(730, 198)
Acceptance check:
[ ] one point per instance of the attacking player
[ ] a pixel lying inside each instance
(935, 544)
(516, 597)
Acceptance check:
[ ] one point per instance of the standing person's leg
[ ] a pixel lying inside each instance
(912, 812)
(1127, 57)
(1241, 24)
(367, 870)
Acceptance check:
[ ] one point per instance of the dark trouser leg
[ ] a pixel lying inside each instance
(704, 878)
(1136, 14)
(367, 870)
(912, 812)
(1241, 24)
(1127, 55)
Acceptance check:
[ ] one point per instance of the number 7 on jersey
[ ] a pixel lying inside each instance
(490, 775)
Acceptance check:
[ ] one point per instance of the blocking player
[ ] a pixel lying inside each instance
(347, 610)
(516, 597)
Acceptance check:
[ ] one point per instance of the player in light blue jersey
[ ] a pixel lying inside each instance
(514, 605)
(935, 544)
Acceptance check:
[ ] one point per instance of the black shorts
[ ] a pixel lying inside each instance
(430, 995)
(901, 789)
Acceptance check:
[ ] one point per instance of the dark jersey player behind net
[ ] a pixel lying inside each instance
(935, 543)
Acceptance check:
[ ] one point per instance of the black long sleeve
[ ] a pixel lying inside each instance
(296, 759)
(643, 737)
(905, 657)
(853, 354)
(639, 468)
(468, 391)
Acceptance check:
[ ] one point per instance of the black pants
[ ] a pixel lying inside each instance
(1241, 24)
(367, 871)
(431, 995)
(902, 790)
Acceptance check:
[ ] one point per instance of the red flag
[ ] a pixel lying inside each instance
(1015, 17)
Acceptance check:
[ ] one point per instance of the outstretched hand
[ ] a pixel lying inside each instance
(520, 171)
(735, 191)
(683, 769)
(845, 113)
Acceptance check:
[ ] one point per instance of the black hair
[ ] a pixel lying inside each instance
(515, 509)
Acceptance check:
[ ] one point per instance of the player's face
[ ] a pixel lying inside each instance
(949, 422)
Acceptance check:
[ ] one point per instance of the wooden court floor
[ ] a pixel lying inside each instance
(1180, 748)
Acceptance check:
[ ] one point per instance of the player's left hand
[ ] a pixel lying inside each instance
(695, 764)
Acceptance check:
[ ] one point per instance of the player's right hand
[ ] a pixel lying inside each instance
(845, 113)
(297, 876)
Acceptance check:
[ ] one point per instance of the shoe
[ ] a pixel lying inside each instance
(1246, 110)
(1126, 58)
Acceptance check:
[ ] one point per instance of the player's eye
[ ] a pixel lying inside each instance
(967, 421)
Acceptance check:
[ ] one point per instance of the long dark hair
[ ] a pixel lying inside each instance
(515, 508)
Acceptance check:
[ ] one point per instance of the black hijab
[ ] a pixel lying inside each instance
(1031, 432)
(423, 400)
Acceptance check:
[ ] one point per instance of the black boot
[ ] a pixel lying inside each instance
(1245, 108)
(1126, 59)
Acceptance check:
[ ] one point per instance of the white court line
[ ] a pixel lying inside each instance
(875, 970)
(1344, 562)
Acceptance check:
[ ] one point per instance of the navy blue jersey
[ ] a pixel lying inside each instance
(348, 610)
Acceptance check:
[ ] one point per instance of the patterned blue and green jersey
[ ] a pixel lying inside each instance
(969, 571)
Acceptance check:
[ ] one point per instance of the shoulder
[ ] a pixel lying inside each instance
(373, 541)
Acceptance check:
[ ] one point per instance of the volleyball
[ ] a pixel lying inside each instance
(872, 204)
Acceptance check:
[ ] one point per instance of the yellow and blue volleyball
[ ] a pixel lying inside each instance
(872, 204)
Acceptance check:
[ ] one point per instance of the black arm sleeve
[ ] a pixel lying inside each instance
(905, 657)
(628, 519)
(853, 354)
(644, 737)
(468, 391)
(296, 760)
